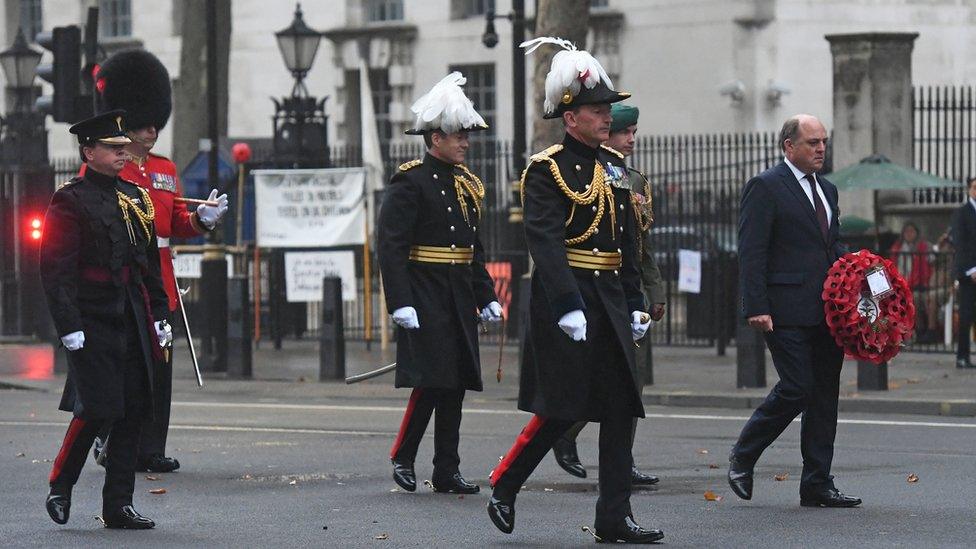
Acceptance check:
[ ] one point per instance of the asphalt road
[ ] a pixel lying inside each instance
(312, 473)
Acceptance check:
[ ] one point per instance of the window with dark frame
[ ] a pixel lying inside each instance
(463, 9)
(480, 88)
(31, 18)
(114, 18)
(384, 10)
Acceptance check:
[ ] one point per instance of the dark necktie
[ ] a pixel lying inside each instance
(818, 206)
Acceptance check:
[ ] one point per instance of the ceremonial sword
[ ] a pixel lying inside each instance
(189, 338)
(371, 374)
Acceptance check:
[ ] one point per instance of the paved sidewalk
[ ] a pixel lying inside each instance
(918, 383)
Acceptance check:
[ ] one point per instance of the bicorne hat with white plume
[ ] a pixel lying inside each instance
(575, 78)
(446, 108)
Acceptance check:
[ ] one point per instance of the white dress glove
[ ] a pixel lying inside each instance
(492, 312)
(210, 215)
(574, 324)
(406, 317)
(164, 332)
(637, 327)
(74, 341)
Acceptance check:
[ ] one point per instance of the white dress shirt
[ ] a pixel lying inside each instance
(805, 185)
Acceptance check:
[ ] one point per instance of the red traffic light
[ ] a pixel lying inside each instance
(36, 224)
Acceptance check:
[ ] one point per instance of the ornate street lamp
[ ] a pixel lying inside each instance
(298, 44)
(19, 64)
(300, 136)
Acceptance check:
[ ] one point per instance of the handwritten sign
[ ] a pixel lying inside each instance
(310, 208)
(304, 272)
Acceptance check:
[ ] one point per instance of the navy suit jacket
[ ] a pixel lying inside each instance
(964, 239)
(783, 256)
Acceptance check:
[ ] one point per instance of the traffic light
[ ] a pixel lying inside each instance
(64, 73)
(36, 229)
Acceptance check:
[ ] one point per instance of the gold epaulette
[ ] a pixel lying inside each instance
(613, 151)
(65, 184)
(546, 153)
(410, 165)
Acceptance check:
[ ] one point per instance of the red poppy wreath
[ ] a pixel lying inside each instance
(869, 306)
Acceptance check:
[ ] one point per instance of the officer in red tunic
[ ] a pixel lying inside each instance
(136, 81)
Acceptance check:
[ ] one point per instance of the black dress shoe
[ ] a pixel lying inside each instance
(501, 511)
(127, 518)
(568, 458)
(830, 497)
(964, 363)
(58, 507)
(642, 479)
(627, 531)
(157, 463)
(404, 476)
(454, 484)
(740, 478)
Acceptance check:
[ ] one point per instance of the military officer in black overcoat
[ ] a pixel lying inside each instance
(622, 137)
(586, 308)
(435, 283)
(100, 272)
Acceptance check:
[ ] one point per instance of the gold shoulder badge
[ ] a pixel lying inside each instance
(613, 151)
(65, 184)
(410, 165)
(547, 153)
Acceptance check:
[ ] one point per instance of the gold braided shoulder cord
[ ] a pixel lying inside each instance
(469, 184)
(145, 217)
(599, 192)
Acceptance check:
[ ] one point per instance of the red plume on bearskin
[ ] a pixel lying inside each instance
(867, 328)
(136, 81)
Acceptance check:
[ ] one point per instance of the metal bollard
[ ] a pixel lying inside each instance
(871, 376)
(332, 343)
(239, 363)
(750, 356)
(213, 297)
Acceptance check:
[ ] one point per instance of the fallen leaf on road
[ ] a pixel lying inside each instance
(713, 465)
(712, 496)
(913, 380)
(782, 476)
(158, 491)
(702, 451)
(913, 478)
(301, 379)
(461, 496)
(293, 483)
(150, 477)
(395, 490)
(21, 454)
(382, 536)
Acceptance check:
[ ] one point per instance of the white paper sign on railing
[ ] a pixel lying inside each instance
(689, 271)
(310, 208)
(189, 265)
(304, 272)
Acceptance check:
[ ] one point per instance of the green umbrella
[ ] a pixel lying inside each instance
(878, 173)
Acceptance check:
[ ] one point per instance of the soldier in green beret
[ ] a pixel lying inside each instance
(623, 130)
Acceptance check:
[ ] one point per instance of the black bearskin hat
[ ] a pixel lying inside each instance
(137, 82)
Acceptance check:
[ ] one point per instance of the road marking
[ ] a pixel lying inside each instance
(279, 430)
(488, 411)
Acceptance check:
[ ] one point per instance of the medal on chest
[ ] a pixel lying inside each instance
(616, 176)
(163, 181)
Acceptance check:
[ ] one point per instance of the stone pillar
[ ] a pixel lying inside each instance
(872, 105)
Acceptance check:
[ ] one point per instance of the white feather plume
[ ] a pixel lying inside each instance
(446, 107)
(571, 68)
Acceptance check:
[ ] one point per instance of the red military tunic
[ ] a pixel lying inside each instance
(157, 174)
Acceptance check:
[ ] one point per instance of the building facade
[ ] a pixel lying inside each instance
(694, 66)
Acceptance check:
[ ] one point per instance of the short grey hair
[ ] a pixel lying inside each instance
(790, 131)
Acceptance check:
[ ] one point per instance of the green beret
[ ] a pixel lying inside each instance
(623, 116)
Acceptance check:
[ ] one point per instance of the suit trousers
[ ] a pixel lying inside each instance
(445, 405)
(967, 303)
(808, 362)
(120, 464)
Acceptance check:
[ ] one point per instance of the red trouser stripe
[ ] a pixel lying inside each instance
(526, 436)
(414, 397)
(74, 428)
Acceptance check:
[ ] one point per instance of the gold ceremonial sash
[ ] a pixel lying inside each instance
(441, 254)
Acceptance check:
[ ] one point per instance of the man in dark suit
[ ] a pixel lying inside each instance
(964, 267)
(788, 239)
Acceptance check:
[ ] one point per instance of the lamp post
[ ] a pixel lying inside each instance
(294, 144)
(25, 163)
